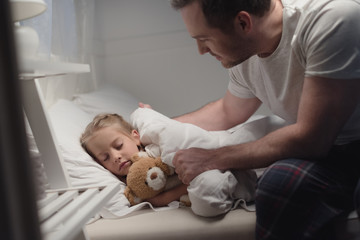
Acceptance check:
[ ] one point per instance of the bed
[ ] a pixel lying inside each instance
(117, 220)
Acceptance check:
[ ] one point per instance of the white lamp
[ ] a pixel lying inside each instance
(27, 38)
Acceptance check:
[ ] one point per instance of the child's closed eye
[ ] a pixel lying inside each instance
(104, 158)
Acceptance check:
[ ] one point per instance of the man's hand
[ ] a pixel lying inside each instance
(191, 162)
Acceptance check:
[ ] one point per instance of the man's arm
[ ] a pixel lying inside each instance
(223, 113)
(325, 106)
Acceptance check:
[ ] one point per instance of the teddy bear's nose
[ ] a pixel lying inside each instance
(153, 176)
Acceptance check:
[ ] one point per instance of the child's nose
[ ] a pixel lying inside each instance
(117, 157)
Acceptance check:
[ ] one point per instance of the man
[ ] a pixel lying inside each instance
(301, 58)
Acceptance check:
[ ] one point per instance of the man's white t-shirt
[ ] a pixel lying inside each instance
(320, 38)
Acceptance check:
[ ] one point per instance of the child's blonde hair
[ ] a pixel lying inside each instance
(101, 121)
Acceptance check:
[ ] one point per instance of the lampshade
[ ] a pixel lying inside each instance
(24, 9)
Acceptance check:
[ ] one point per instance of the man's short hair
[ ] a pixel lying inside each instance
(220, 13)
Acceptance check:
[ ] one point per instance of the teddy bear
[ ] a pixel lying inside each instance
(147, 177)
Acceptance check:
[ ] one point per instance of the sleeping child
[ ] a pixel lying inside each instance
(111, 141)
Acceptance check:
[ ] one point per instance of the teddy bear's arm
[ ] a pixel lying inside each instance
(131, 197)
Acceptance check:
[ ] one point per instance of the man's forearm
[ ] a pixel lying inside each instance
(210, 117)
(223, 113)
(280, 144)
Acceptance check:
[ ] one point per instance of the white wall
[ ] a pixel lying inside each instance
(143, 46)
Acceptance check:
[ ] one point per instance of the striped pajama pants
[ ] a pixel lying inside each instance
(300, 199)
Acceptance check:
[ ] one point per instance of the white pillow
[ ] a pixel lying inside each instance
(68, 122)
(108, 99)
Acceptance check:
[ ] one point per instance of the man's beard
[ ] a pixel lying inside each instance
(242, 56)
(231, 64)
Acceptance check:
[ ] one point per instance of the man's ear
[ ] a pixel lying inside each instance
(243, 21)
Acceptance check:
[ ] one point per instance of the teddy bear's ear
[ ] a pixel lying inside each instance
(164, 167)
(138, 155)
(133, 199)
(135, 157)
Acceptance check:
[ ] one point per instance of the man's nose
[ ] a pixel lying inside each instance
(202, 47)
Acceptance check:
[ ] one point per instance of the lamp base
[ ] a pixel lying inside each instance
(27, 41)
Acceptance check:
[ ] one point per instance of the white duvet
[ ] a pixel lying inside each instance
(163, 136)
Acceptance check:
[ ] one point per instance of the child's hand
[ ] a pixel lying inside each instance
(143, 105)
(164, 198)
(160, 200)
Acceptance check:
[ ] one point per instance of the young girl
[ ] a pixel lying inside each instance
(111, 141)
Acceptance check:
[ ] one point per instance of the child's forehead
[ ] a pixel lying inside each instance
(105, 137)
(109, 131)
